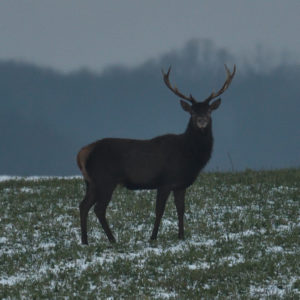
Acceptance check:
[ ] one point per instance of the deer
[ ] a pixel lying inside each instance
(167, 163)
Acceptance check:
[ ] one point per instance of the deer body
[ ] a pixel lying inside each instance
(168, 160)
(168, 163)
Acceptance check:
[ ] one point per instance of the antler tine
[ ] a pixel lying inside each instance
(225, 85)
(175, 89)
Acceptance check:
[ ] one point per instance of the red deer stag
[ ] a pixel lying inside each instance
(167, 163)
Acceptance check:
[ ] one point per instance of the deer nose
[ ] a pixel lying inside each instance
(202, 122)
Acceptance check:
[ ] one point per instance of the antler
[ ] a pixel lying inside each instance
(175, 89)
(225, 85)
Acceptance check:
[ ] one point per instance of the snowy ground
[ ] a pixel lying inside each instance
(35, 178)
(242, 240)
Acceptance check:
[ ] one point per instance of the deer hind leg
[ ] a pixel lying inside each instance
(161, 199)
(84, 208)
(104, 195)
(179, 202)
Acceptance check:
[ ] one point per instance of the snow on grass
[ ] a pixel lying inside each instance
(160, 294)
(36, 178)
(275, 249)
(199, 266)
(3, 240)
(267, 291)
(13, 280)
(235, 233)
(27, 190)
(6, 178)
(108, 257)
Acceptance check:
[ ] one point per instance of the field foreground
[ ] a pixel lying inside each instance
(242, 241)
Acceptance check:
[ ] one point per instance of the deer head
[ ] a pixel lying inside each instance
(200, 111)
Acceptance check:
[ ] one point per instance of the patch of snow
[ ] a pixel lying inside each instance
(12, 280)
(204, 242)
(27, 190)
(142, 191)
(200, 266)
(283, 189)
(167, 223)
(36, 178)
(46, 246)
(270, 290)
(283, 228)
(234, 260)
(164, 295)
(235, 236)
(275, 249)
(6, 178)
(3, 240)
(230, 260)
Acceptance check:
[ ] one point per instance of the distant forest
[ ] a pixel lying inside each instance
(46, 116)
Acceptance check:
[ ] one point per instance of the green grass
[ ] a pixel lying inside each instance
(242, 241)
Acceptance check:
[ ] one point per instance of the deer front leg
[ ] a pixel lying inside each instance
(179, 202)
(161, 199)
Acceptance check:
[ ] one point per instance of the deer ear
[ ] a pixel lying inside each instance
(185, 106)
(215, 104)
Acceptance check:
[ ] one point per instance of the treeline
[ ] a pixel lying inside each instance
(46, 116)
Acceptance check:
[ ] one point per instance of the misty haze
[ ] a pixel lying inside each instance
(47, 116)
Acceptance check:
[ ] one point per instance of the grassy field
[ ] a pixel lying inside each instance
(242, 241)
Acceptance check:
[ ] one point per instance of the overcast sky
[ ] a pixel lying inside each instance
(68, 35)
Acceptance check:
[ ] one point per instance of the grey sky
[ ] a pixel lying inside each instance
(68, 35)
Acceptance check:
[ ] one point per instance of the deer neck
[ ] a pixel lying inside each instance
(199, 139)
